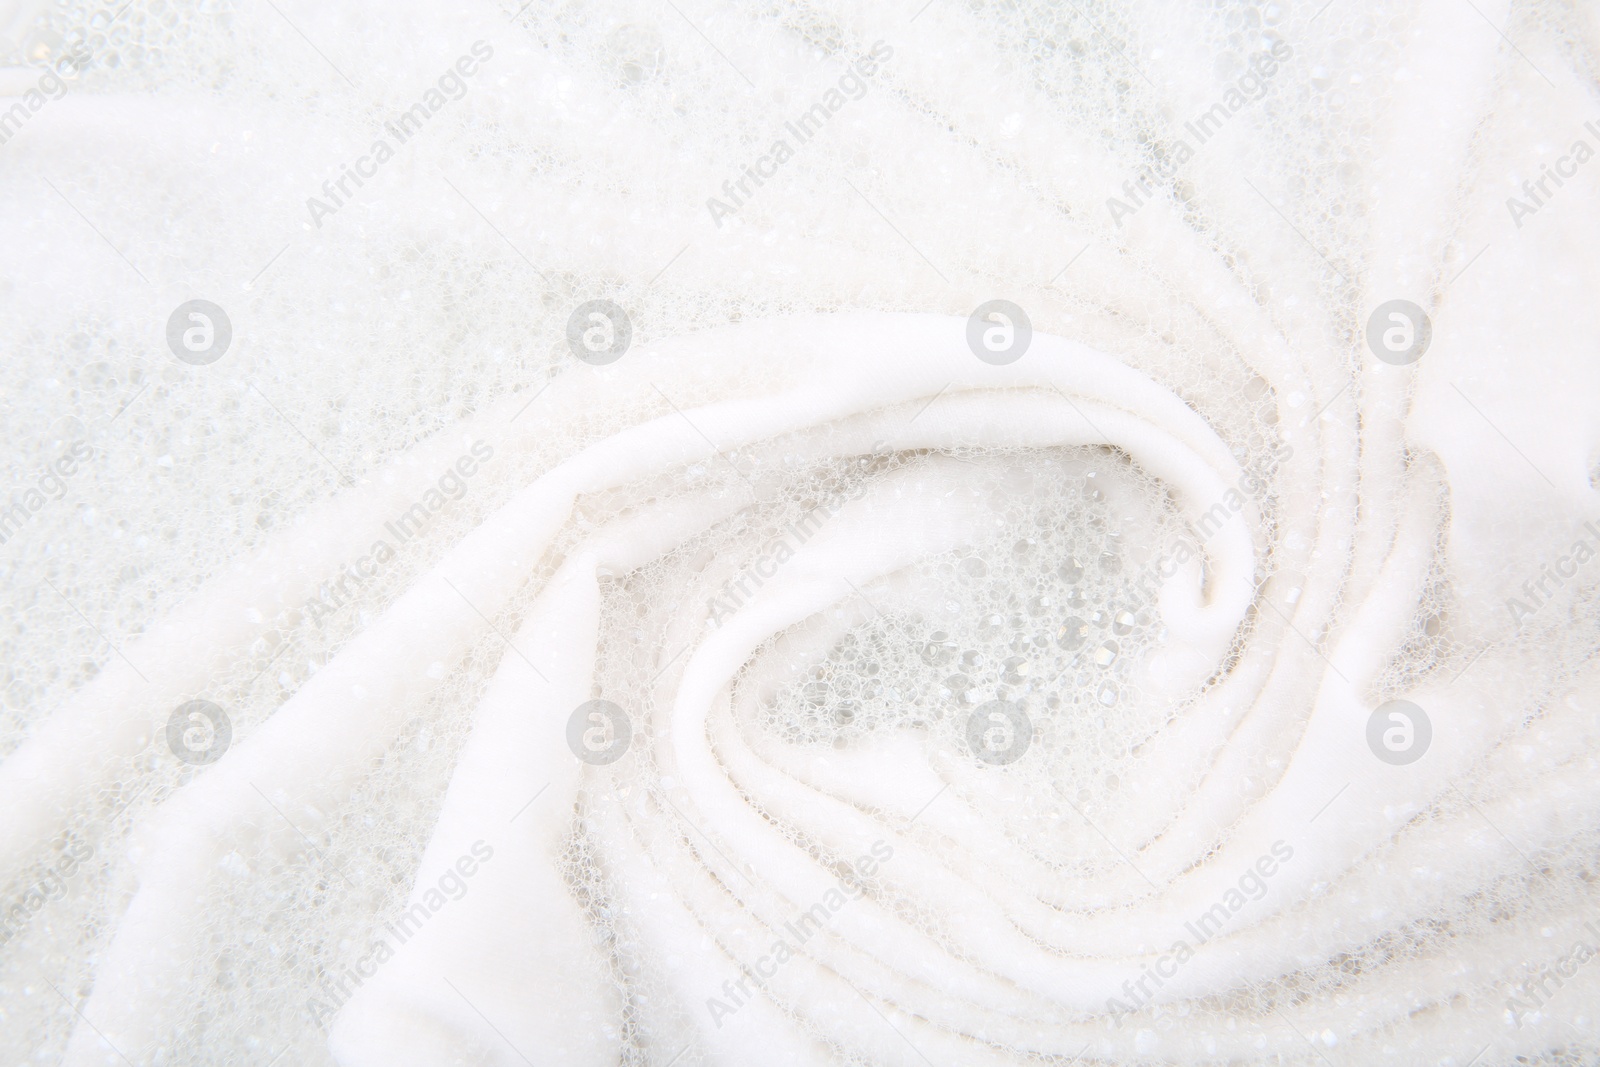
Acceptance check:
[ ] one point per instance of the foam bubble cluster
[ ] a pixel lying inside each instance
(799, 534)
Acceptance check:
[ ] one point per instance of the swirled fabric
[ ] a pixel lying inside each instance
(802, 683)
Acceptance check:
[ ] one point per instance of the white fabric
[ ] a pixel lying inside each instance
(807, 351)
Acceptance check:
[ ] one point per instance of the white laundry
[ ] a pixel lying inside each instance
(786, 680)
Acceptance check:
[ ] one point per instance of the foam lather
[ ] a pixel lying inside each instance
(796, 680)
